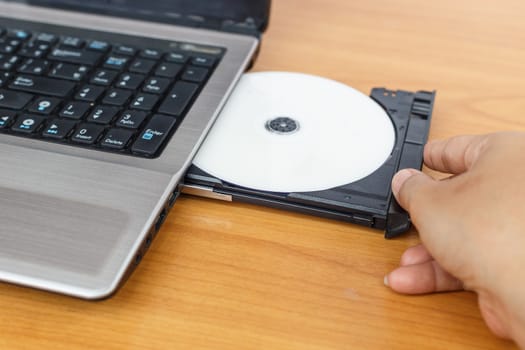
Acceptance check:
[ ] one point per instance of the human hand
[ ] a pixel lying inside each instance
(471, 224)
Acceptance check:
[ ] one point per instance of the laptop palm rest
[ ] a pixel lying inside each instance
(30, 236)
(72, 224)
(36, 247)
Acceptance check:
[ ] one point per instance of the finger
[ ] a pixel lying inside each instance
(455, 155)
(415, 255)
(410, 188)
(493, 317)
(428, 277)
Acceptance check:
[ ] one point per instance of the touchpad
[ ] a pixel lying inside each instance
(42, 235)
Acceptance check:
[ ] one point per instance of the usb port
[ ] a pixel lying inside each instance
(173, 198)
(160, 219)
(149, 239)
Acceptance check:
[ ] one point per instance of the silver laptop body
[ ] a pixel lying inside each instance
(76, 221)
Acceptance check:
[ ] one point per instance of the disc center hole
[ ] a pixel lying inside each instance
(282, 125)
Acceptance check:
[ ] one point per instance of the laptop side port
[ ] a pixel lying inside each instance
(146, 243)
(173, 197)
(149, 240)
(160, 219)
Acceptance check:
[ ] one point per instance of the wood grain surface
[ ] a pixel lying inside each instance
(234, 276)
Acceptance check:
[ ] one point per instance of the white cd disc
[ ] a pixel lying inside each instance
(290, 132)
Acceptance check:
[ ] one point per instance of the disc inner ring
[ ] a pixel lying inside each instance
(282, 125)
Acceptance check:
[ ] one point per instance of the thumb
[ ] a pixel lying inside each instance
(413, 190)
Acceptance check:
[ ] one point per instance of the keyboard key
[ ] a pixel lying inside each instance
(116, 138)
(203, 61)
(104, 77)
(195, 74)
(69, 71)
(8, 62)
(87, 133)
(89, 93)
(102, 114)
(151, 53)
(125, 50)
(117, 97)
(59, 129)
(46, 38)
(98, 45)
(34, 50)
(116, 62)
(154, 134)
(144, 102)
(141, 65)
(33, 66)
(131, 119)
(178, 98)
(176, 57)
(43, 86)
(72, 42)
(6, 118)
(28, 123)
(71, 55)
(14, 100)
(19, 34)
(156, 85)
(4, 78)
(44, 105)
(9, 46)
(130, 81)
(168, 70)
(75, 110)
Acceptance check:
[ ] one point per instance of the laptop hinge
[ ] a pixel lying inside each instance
(248, 27)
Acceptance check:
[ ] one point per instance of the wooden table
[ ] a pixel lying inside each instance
(223, 275)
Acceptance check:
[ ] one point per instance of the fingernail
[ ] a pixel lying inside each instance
(400, 178)
(385, 281)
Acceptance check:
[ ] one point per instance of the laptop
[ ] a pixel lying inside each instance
(103, 104)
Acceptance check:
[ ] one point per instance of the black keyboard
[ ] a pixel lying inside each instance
(125, 95)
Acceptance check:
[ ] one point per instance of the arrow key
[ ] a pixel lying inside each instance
(6, 118)
(59, 129)
(145, 102)
(89, 93)
(116, 97)
(102, 114)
